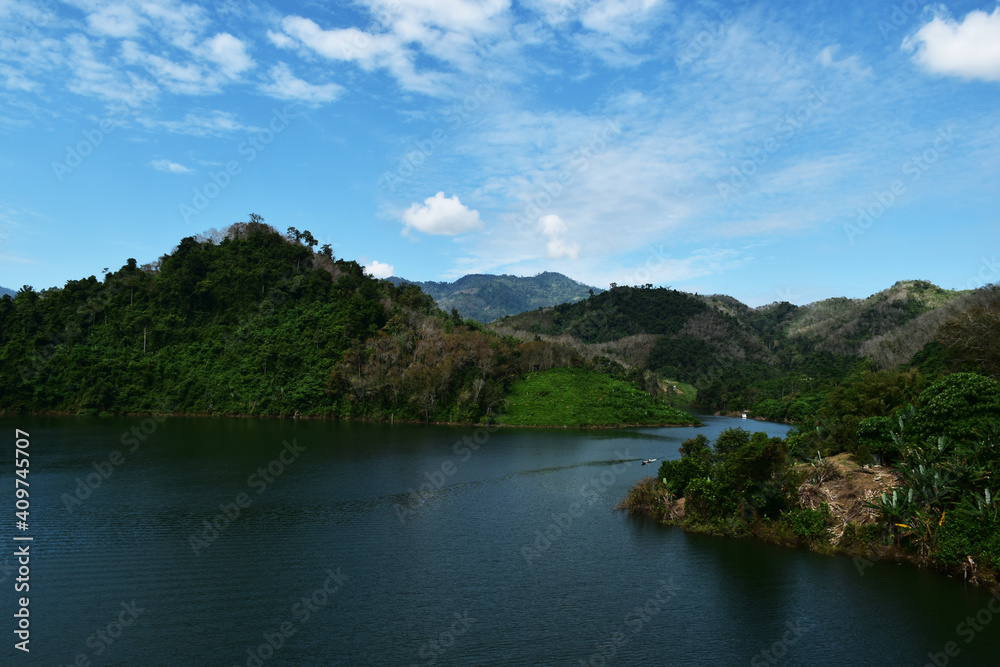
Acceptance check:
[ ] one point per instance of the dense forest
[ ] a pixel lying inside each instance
(249, 321)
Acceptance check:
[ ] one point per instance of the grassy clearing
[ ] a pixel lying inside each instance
(578, 397)
(683, 396)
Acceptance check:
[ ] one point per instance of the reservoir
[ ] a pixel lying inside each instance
(195, 541)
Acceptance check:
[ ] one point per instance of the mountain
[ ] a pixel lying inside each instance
(252, 322)
(4, 290)
(732, 352)
(485, 298)
(248, 321)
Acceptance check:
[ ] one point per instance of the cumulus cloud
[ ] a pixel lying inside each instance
(170, 167)
(556, 229)
(441, 215)
(377, 269)
(970, 49)
(229, 53)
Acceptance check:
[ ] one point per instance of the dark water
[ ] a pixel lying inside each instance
(514, 557)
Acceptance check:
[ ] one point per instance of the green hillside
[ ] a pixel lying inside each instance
(580, 397)
(779, 359)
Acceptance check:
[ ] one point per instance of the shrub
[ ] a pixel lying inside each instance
(809, 524)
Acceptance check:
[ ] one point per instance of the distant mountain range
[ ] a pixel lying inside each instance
(485, 298)
(717, 339)
(4, 290)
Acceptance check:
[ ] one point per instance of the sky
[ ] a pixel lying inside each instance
(772, 151)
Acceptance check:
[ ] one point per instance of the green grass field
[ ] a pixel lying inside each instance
(685, 394)
(578, 397)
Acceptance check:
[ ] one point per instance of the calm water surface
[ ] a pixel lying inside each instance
(512, 555)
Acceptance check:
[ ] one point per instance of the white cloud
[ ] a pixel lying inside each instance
(117, 20)
(619, 18)
(186, 79)
(377, 269)
(441, 215)
(349, 44)
(229, 53)
(970, 49)
(280, 39)
(286, 86)
(208, 124)
(456, 33)
(93, 77)
(556, 230)
(850, 65)
(368, 50)
(14, 80)
(170, 167)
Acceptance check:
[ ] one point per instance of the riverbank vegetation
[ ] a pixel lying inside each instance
(933, 500)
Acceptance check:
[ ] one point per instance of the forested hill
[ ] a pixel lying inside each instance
(484, 298)
(740, 357)
(249, 321)
(251, 324)
(4, 290)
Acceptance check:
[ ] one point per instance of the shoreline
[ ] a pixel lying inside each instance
(368, 420)
(851, 529)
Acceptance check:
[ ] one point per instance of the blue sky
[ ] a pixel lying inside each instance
(767, 150)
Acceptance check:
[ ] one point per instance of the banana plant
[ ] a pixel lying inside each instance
(983, 506)
(895, 509)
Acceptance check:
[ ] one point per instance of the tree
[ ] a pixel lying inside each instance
(876, 434)
(962, 407)
(973, 338)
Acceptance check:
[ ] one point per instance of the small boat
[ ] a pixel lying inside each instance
(648, 461)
